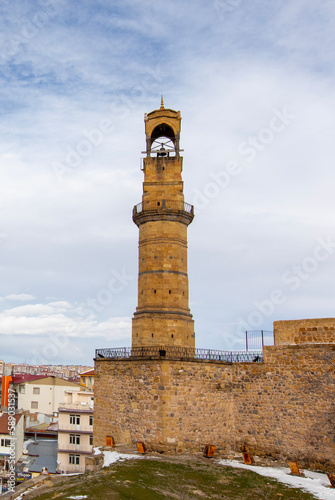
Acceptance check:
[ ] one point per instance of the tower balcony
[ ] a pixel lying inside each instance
(171, 210)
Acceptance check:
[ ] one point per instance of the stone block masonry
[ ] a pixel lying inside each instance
(305, 331)
(284, 406)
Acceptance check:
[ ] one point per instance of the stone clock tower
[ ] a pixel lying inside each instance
(174, 398)
(162, 317)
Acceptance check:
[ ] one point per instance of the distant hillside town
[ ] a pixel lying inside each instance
(68, 372)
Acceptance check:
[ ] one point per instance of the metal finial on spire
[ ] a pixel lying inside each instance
(162, 103)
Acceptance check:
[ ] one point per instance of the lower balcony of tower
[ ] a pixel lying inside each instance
(163, 328)
(168, 210)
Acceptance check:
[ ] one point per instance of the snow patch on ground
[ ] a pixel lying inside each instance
(314, 482)
(113, 456)
(26, 444)
(28, 441)
(20, 497)
(78, 497)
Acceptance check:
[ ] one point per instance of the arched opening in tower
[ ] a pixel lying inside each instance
(163, 140)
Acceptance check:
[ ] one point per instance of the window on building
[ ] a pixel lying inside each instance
(5, 442)
(75, 419)
(22, 389)
(91, 440)
(36, 390)
(74, 439)
(74, 459)
(84, 380)
(91, 419)
(34, 405)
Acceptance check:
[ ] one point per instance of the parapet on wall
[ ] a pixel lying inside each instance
(304, 331)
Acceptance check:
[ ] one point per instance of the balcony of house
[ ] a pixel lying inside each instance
(78, 428)
(163, 210)
(77, 448)
(77, 407)
(74, 468)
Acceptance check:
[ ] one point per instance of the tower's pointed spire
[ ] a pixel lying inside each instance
(162, 103)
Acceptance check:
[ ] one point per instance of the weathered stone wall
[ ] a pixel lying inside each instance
(162, 402)
(284, 406)
(304, 331)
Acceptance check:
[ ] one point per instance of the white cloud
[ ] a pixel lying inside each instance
(60, 317)
(19, 296)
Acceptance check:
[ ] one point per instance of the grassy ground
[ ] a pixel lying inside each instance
(163, 478)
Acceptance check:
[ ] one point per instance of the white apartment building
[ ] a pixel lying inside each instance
(41, 394)
(75, 431)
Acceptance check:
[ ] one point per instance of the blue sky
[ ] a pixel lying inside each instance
(254, 82)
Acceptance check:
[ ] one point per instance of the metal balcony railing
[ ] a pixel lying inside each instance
(163, 205)
(179, 353)
(257, 339)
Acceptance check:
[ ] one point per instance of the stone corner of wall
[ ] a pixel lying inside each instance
(304, 331)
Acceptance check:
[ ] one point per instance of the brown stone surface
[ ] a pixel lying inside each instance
(305, 331)
(283, 407)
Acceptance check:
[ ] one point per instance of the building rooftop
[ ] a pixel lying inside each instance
(87, 373)
(4, 428)
(44, 380)
(26, 377)
(40, 455)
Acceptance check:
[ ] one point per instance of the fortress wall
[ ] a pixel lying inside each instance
(284, 406)
(168, 404)
(125, 402)
(288, 409)
(305, 331)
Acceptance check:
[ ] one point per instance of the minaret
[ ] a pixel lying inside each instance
(162, 317)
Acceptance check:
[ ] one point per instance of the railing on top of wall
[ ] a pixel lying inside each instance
(171, 352)
(255, 340)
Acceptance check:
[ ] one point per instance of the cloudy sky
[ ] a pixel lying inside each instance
(254, 81)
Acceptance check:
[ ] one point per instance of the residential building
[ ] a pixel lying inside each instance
(75, 431)
(41, 394)
(87, 380)
(6, 440)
